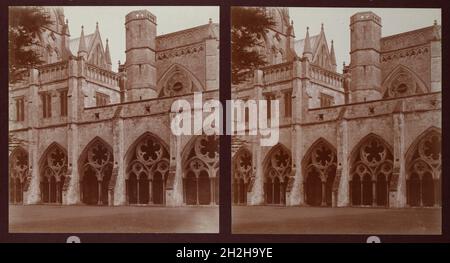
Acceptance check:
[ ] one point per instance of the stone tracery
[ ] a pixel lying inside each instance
(201, 184)
(97, 171)
(320, 171)
(278, 177)
(19, 176)
(53, 174)
(371, 173)
(243, 176)
(147, 171)
(401, 82)
(424, 171)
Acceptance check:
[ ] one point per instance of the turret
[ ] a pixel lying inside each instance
(140, 55)
(365, 57)
(108, 56)
(307, 50)
(333, 57)
(82, 50)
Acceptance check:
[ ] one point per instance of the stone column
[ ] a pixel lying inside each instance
(77, 81)
(196, 186)
(300, 81)
(362, 192)
(50, 190)
(397, 192)
(119, 167)
(374, 193)
(33, 194)
(421, 192)
(343, 168)
(150, 191)
(211, 192)
(324, 196)
(212, 63)
(99, 196)
(257, 196)
(174, 186)
(436, 65)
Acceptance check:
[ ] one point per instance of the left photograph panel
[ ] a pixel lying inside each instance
(106, 133)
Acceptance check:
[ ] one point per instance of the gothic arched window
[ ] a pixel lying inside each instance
(53, 174)
(371, 171)
(424, 171)
(19, 177)
(147, 171)
(97, 165)
(201, 169)
(242, 175)
(277, 175)
(320, 171)
(402, 82)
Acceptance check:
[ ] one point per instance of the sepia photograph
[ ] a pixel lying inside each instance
(354, 96)
(91, 94)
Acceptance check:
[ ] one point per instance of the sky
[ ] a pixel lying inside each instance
(111, 20)
(337, 22)
(173, 18)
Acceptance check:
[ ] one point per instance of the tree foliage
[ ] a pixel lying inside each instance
(248, 27)
(25, 26)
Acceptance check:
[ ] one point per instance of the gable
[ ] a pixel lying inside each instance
(402, 82)
(178, 80)
(321, 53)
(96, 52)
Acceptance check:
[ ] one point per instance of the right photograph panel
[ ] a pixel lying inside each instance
(336, 117)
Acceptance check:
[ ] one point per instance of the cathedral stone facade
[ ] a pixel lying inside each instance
(90, 135)
(369, 136)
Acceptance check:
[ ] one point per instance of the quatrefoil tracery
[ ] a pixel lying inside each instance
(19, 165)
(280, 161)
(323, 158)
(373, 153)
(149, 151)
(374, 160)
(204, 156)
(207, 148)
(243, 165)
(427, 156)
(56, 163)
(150, 157)
(430, 149)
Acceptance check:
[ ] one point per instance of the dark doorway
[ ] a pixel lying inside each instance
(191, 188)
(158, 188)
(313, 189)
(204, 191)
(356, 190)
(382, 190)
(428, 190)
(90, 188)
(414, 190)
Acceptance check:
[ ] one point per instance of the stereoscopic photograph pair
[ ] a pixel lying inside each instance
(116, 117)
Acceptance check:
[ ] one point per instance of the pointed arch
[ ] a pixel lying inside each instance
(95, 45)
(321, 52)
(200, 168)
(53, 166)
(130, 151)
(277, 174)
(423, 169)
(371, 168)
(178, 80)
(95, 167)
(19, 177)
(147, 161)
(402, 81)
(243, 177)
(319, 168)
